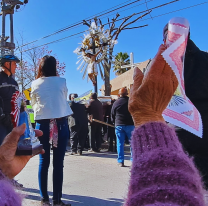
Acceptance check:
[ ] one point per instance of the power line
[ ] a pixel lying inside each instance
(176, 10)
(81, 22)
(105, 17)
(156, 7)
(128, 8)
(56, 41)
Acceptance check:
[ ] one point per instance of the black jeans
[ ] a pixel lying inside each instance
(78, 137)
(95, 136)
(112, 136)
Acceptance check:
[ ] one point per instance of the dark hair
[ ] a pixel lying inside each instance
(47, 67)
(74, 95)
(94, 96)
(70, 96)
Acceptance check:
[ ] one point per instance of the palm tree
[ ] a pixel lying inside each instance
(121, 59)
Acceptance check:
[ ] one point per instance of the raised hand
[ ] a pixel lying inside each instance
(150, 94)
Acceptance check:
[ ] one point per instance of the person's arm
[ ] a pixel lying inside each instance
(83, 52)
(2, 115)
(32, 96)
(161, 174)
(113, 114)
(161, 171)
(65, 90)
(8, 196)
(95, 55)
(89, 110)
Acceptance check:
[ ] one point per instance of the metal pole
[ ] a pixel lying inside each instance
(95, 86)
(11, 32)
(21, 66)
(3, 29)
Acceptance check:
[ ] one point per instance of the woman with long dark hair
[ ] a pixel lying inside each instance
(49, 102)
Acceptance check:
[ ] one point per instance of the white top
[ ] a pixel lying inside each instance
(49, 98)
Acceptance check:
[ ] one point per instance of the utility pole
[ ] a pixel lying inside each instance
(7, 7)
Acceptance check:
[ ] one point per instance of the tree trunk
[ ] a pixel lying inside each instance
(107, 84)
(107, 77)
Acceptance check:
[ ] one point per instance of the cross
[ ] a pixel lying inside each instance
(131, 65)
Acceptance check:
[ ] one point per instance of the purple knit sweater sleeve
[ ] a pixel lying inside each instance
(162, 174)
(8, 196)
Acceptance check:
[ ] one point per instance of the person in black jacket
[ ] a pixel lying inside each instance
(78, 127)
(8, 86)
(196, 89)
(123, 122)
(95, 111)
(110, 130)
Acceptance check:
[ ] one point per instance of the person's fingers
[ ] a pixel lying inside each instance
(137, 74)
(13, 137)
(158, 63)
(38, 133)
(137, 77)
(161, 49)
(42, 151)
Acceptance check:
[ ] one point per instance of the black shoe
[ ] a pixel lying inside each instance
(73, 153)
(79, 152)
(98, 150)
(121, 164)
(45, 203)
(92, 151)
(60, 203)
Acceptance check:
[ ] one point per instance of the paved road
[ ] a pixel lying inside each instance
(89, 180)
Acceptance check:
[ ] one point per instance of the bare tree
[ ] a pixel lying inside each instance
(23, 75)
(114, 34)
(27, 69)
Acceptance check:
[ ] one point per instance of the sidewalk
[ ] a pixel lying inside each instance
(93, 179)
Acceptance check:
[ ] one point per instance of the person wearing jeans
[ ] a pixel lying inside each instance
(123, 121)
(121, 133)
(51, 109)
(58, 158)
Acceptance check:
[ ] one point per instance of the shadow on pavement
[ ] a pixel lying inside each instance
(105, 155)
(76, 199)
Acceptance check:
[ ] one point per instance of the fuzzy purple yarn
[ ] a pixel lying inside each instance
(162, 174)
(8, 196)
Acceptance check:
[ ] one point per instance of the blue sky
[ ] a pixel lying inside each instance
(42, 17)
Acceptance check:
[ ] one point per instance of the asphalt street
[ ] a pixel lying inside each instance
(93, 179)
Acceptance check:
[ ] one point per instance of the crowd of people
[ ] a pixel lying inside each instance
(163, 171)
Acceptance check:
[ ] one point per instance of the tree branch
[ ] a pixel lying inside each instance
(136, 27)
(85, 23)
(122, 26)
